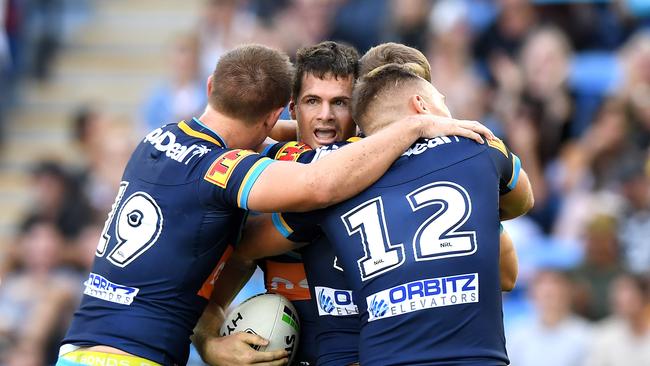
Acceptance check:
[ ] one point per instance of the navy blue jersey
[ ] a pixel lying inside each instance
(180, 206)
(332, 316)
(420, 250)
(285, 274)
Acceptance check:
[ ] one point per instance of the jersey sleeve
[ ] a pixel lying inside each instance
(231, 175)
(298, 227)
(507, 164)
(288, 151)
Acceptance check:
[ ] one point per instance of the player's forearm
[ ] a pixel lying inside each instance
(508, 263)
(235, 274)
(347, 172)
(207, 326)
(284, 130)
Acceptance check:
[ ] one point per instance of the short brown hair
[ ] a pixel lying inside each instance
(372, 86)
(337, 59)
(251, 81)
(387, 53)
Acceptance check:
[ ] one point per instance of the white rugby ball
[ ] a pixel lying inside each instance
(271, 316)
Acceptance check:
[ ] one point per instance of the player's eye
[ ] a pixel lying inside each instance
(311, 101)
(341, 103)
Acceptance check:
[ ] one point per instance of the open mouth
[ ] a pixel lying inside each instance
(325, 135)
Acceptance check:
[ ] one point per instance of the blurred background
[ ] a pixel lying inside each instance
(565, 83)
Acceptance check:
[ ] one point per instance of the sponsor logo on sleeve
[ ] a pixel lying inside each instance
(423, 294)
(165, 141)
(335, 302)
(221, 169)
(291, 151)
(99, 287)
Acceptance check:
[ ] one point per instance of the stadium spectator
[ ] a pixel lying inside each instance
(56, 198)
(182, 95)
(451, 62)
(600, 266)
(554, 335)
(624, 337)
(224, 24)
(634, 231)
(31, 322)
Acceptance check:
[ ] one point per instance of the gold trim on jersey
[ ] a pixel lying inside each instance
(188, 130)
(499, 145)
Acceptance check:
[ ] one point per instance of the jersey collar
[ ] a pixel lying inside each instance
(197, 129)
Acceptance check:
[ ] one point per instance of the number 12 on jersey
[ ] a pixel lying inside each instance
(437, 237)
(138, 226)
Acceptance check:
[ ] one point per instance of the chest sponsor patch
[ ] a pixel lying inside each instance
(335, 302)
(221, 169)
(423, 294)
(100, 287)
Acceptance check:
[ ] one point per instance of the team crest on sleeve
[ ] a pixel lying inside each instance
(221, 169)
(291, 151)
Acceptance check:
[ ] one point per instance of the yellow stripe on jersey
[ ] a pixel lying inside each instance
(93, 358)
(499, 145)
(353, 139)
(281, 225)
(188, 130)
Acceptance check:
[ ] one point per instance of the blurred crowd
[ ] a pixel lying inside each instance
(566, 84)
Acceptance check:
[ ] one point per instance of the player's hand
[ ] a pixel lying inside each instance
(434, 126)
(237, 349)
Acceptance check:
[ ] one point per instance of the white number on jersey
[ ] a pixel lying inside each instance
(436, 238)
(368, 220)
(138, 226)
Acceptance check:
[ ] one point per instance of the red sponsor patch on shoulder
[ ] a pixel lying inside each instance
(221, 169)
(291, 151)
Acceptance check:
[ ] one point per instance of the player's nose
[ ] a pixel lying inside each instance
(325, 113)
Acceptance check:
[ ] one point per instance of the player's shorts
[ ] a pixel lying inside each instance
(93, 358)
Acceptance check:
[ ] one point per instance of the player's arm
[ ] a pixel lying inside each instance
(259, 239)
(519, 200)
(516, 195)
(508, 264)
(284, 130)
(235, 349)
(285, 186)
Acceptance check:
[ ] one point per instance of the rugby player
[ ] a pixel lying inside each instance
(183, 198)
(420, 245)
(337, 331)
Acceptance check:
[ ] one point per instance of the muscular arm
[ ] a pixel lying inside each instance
(508, 265)
(284, 130)
(347, 172)
(260, 239)
(518, 201)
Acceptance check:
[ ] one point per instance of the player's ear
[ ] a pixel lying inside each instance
(419, 104)
(272, 118)
(292, 109)
(209, 86)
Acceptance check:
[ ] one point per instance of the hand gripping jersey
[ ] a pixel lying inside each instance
(420, 250)
(329, 319)
(180, 206)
